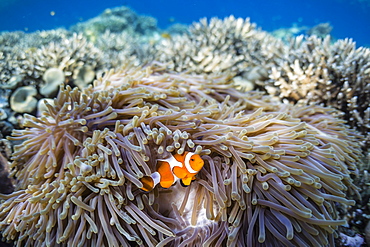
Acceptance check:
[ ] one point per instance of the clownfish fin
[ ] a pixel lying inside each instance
(186, 181)
(182, 183)
(149, 182)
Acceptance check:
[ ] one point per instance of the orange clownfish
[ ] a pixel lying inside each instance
(179, 166)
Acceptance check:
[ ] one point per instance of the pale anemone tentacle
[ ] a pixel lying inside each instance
(272, 173)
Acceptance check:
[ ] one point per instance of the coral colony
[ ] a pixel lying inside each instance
(150, 140)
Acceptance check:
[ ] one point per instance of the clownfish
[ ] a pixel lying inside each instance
(181, 167)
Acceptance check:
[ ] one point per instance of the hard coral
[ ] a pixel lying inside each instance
(228, 45)
(23, 99)
(116, 20)
(335, 74)
(119, 48)
(16, 64)
(272, 172)
(71, 61)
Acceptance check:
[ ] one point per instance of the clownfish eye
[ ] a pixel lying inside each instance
(192, 159)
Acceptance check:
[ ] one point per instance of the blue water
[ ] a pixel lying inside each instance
(349, 18)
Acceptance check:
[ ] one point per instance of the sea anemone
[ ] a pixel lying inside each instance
(272, 172)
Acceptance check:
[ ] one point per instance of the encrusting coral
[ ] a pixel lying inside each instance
(53, 78)
(23, 99)
(272, 172)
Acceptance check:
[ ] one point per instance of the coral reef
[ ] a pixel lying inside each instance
(177, 29)
(287, 33)
(338, 75)
(117, 20)
(121, 48)
(70, 55)
(282, 169)
(320, 30)
(25, 58)
(21, 40)
(229, 45)
(73, 61)
(272, 171)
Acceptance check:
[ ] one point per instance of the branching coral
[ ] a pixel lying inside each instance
(272, 172)
(336, 74)
(14, 55)
(120, 48)
(229, 45)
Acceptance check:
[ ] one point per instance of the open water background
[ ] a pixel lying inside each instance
(349, 18)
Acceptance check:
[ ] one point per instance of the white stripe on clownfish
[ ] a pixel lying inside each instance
(156, 177)
(187, 162)
(172, 161)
